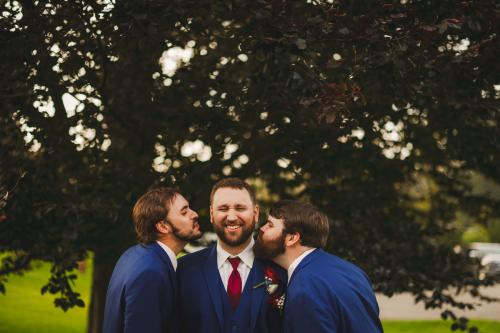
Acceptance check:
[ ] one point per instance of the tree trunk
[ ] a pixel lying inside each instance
(103, 267)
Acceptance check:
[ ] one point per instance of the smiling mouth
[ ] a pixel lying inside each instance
(233, 227)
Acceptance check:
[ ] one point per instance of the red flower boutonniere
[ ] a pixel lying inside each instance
(272, 283)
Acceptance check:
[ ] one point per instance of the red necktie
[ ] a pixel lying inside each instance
(234, 283)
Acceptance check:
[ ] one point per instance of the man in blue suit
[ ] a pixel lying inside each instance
(324, 293)
(142, 290)
(223, 288)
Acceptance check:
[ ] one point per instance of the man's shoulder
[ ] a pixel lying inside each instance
(133, 254)
(331, 271)
(195, 258)
(322, 265)
(138, 262)
(328, 261)
(138, 250)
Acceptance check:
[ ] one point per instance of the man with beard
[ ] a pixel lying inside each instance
(324, 293)
(221, 288)
(141, 292)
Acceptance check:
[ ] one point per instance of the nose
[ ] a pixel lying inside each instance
(263, 227)
(194, 214)
(231, 216)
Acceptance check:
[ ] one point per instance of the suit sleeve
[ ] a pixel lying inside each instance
(309, 314)
(145, 299)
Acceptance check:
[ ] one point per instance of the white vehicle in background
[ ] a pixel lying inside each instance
(489, 254)
(491, 263)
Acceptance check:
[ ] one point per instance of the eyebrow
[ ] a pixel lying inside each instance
(185, 207)
(226, 205)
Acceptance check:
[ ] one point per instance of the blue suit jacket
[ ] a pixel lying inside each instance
(141, 292)
(202, 298)
(328, 294)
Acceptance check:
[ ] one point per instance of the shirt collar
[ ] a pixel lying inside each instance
(296, 263)
(170, 253)
(246, 255)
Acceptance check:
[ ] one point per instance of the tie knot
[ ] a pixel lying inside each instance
(234, 262)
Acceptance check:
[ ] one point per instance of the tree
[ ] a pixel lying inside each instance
(346, 104)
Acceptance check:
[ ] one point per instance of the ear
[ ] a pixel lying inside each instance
(292, 239)
(256, 210)
(163, 228)
(211, 214)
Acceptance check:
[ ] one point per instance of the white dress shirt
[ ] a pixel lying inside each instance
(244, 267)
(296, 263)
(170, 253)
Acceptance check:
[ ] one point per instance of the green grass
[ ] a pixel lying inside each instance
(24, 309)
(435, 326)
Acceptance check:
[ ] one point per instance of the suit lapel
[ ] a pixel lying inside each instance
(212, 276)
(308, 259)
(166, 260)
(256, 277)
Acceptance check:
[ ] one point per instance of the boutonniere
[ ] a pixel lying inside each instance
(272, 283)
(278, 302)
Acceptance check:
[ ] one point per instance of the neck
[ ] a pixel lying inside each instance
(234, 250)
(286, 259)
(174, 244)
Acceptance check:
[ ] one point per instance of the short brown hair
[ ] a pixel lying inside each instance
(305, 219)
(234, 183)
(151, 208)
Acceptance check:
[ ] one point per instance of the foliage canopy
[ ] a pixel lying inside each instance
(377, 112)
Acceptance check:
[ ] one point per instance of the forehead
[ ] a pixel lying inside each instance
(275, 221)
(231, 196)
(178, 202)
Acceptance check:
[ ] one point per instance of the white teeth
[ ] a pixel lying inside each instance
(232, 227)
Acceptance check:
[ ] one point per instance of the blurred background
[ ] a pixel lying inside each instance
(384, 114)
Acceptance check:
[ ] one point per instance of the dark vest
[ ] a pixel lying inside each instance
(238, 320)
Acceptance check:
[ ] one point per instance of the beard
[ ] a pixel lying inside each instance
(269, 249)
(187, 236)
(246, 233)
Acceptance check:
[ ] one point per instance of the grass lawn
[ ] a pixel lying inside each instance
(24, 310)
(435, 326)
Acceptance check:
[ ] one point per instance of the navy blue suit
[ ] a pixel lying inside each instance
(328, 294)
(141, 292)
(204, 305)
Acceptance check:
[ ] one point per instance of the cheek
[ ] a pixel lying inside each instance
(247, 216)
(274, 235)
(266, 234)
(217, 216)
